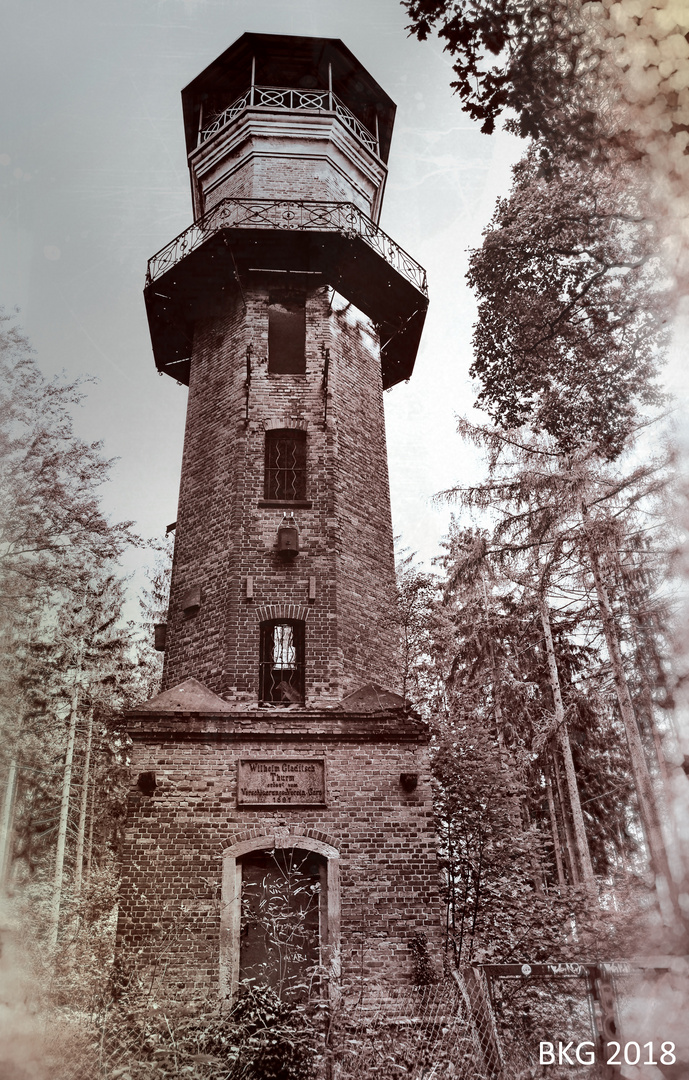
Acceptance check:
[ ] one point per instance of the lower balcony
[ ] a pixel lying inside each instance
(335, 242)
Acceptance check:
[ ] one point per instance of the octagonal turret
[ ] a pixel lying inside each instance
(289, 117)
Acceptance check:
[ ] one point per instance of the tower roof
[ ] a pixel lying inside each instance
(286, 61)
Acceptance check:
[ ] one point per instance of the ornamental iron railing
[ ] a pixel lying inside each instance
(284, 97)
(288, 214)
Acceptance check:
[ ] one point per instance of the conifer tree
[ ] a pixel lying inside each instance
(63, 652)
(535, 493)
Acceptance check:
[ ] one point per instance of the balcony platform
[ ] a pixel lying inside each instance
(330, 243)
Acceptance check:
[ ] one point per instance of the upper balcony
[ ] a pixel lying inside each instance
(271, 62)
(293, 98)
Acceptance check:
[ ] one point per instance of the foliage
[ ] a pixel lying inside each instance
(596, 81)
(51, 525)
(497, 908)
(261, 1037)
(423, 971)
(573, 306)
(503, 807)
(275, 1035)
(500, 698)
(540, 59)
(81, 647)
(153, 604)
(67, 650)
(419, 625)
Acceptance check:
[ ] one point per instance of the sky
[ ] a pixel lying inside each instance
(94, 181)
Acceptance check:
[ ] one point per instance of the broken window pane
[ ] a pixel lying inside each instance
(287, 336)
(284, 652)
(282, 661)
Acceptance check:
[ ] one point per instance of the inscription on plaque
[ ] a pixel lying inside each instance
(281, 781)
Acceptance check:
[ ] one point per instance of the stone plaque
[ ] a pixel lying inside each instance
(281, 782)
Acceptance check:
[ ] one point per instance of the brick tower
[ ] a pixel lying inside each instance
(279, 745)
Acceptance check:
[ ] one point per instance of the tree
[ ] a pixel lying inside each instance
(419, 616)
(573, 308)
(50, 520)
(153, 605)
(58, 557)
(540, 59)
(586, 81)
(502, 671)
(544, 500)
(546, 59)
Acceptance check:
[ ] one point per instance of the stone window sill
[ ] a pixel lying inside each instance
(285, 504)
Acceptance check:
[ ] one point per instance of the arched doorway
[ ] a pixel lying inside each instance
(280, 914)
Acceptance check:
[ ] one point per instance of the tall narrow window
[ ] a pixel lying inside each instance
(285, 470)
(287, 335)
(282, 661)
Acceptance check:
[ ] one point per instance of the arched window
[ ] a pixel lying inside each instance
(281, 676)
(285, 465)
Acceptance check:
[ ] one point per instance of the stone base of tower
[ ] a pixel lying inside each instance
(213, 787)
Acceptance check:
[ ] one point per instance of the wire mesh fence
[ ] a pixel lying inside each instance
(476, 1024)
(544, 1011)
(415, 1032)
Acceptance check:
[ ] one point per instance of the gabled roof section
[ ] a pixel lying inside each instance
(372, 698)
(188, 696)
(286, 61)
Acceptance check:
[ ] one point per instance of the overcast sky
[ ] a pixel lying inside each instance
(94, 181)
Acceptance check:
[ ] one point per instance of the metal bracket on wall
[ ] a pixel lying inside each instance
(325, 353)
(247, 384)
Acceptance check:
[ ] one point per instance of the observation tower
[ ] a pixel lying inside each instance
(279, 747)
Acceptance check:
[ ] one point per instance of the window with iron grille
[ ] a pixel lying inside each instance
(285, 470)
(287, 335)
(282, 661)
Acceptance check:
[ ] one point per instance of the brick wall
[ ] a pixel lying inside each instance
(223, 535)
(171, 906)
(287, 155)
(170, 894)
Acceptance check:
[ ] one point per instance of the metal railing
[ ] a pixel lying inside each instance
(288, 214)
(284, 97)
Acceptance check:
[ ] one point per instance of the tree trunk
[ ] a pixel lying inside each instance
(636, 626)
(506, 758)
(563, 738)
(89, 846)
(64, 812)
(570, 847)
(6, 823)
(79, 861)
(642, 780)
(554, 829)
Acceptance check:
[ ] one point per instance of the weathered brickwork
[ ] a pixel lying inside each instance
(175, 839)
(186, 832)
(223, 535)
